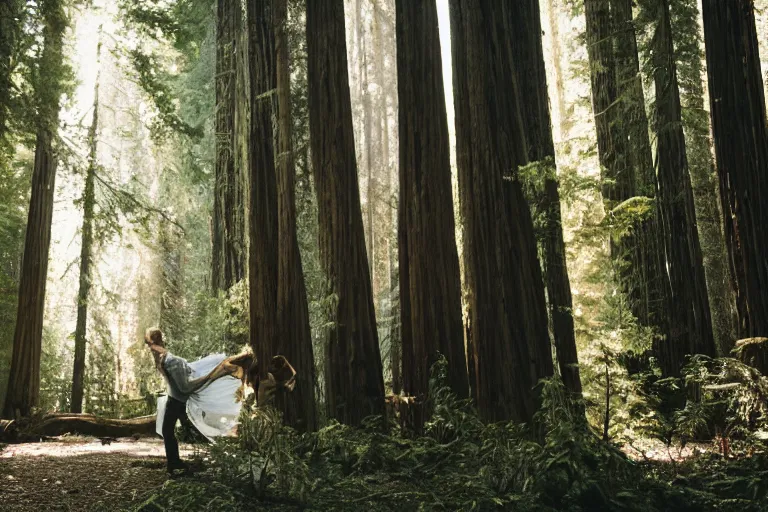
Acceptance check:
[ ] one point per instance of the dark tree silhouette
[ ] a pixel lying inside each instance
(511, 347)
(353, 374)
(295, 338)
(430, 282)
(737, 105)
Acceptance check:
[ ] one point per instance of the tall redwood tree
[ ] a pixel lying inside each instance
(24, 379)
(428, 259)
(353, 372)
(737, 106)
(525, 20)
(228, 256)
(295, 338)
(688, 305)
(511, 347)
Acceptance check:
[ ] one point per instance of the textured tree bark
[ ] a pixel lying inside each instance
(688, 308)
(263, 214)
(228, 251)
(629, 87)
(24, 378)
(86, 253)
(525, 21)
(647, 282)
(354, 381)
(429, 264)
(295, 340)
(737, 105)
(637, 256)
(688, 52)
(506, 291)
(602, 66)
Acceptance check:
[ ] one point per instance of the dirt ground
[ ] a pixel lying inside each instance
(81, 474)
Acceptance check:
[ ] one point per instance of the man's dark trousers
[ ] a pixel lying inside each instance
(175, 410)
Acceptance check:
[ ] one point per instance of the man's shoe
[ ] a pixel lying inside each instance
(177, 468)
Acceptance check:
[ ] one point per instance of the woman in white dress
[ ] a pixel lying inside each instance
(208, 391)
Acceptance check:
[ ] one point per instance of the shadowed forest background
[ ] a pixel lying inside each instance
(515, 250)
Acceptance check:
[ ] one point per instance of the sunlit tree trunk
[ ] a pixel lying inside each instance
(429, 262)
(354, 380)
(688, 309)
(86, 252)
(295, 337)
(384, 81)
(172, 297)
(228, 251)
(506, 291)
(553, 21)
(689, 52)
(23, 391)
(525, 20)
(737, 104)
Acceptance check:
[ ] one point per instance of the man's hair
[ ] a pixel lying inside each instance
(154, 335)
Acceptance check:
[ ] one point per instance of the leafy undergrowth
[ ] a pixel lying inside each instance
(458, 464)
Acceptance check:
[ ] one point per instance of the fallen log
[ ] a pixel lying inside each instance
(753, 352)
(90, 425)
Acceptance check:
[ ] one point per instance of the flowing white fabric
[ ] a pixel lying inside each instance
(213, 409)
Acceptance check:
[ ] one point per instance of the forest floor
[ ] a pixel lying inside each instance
(81, 474)
(73, 473)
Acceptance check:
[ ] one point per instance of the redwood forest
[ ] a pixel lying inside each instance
(384, 255)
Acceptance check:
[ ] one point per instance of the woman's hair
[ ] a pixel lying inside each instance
(154, 335)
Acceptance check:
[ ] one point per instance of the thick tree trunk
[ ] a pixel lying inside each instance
(507, 303)
(602, 64)
(228, 251)
(688, 52)
(263, 204)
(429, 264)
(737, 104)
(354, 381)
(688, 308)
(86, 254)
(24, 379)
(295, 340)
(525, 20)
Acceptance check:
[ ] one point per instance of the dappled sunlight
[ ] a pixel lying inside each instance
(84, 446)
